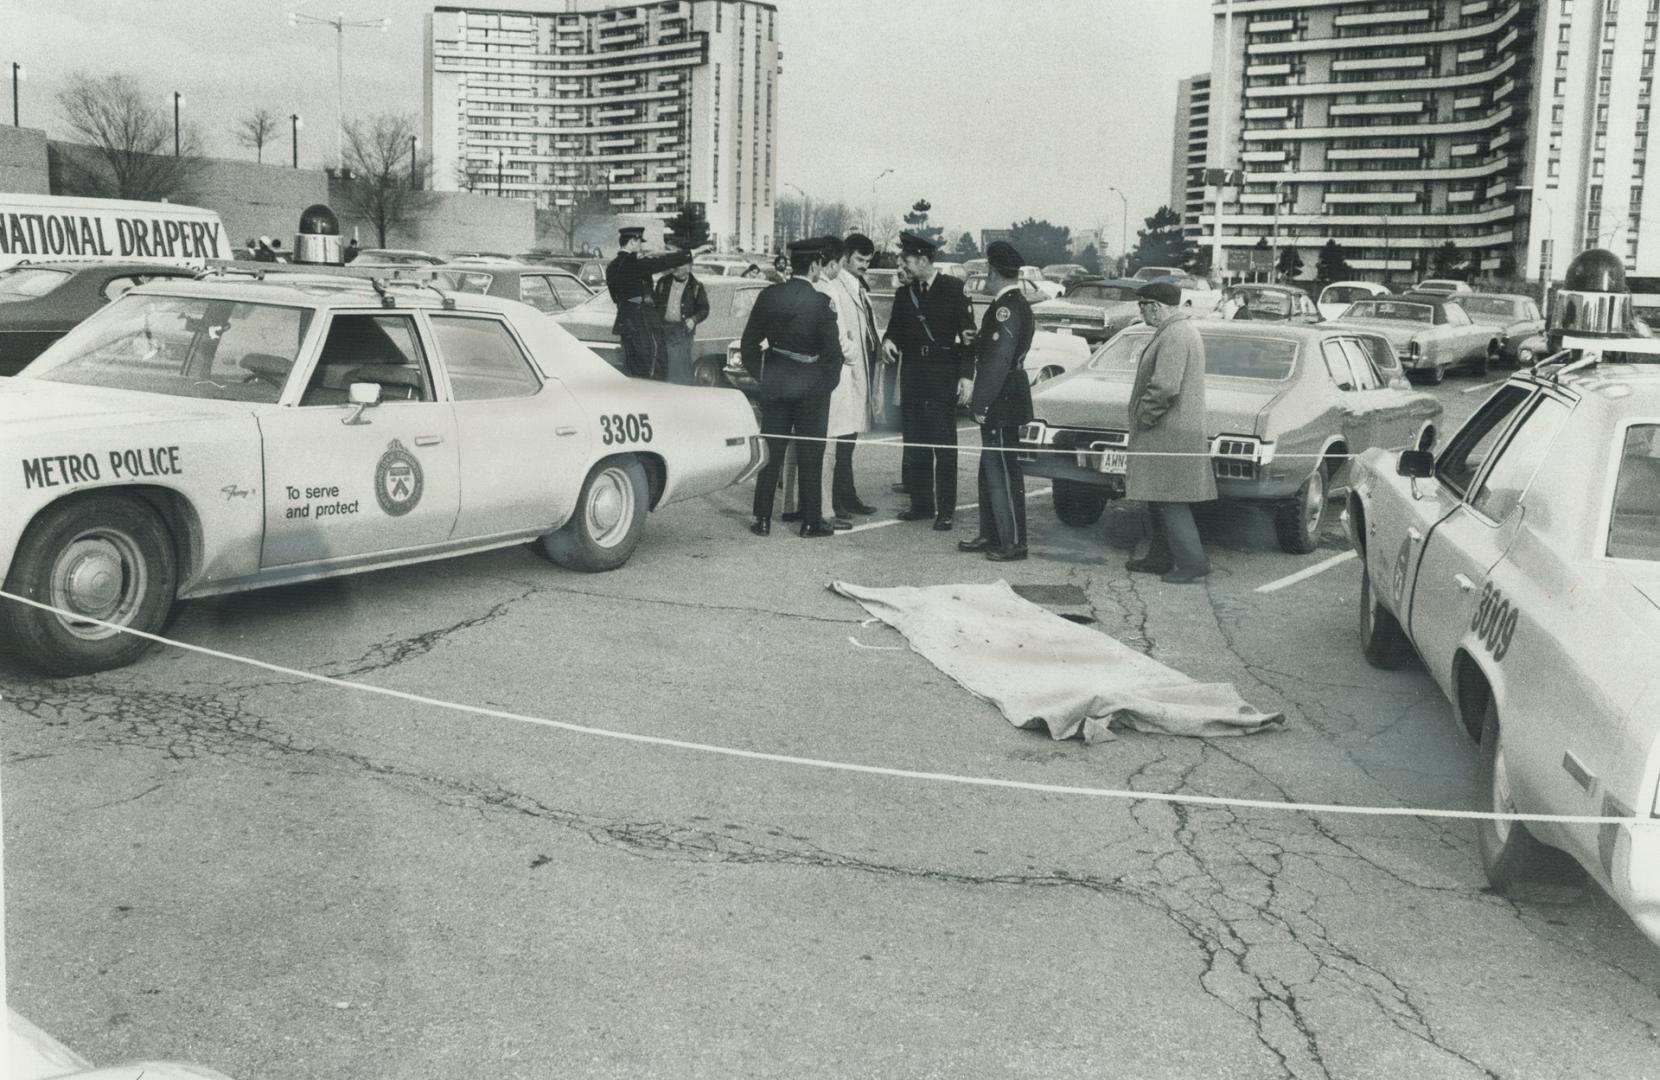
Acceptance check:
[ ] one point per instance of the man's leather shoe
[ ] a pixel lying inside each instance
(979, 543)
(761, 527)
(942, 523)
(860, 508)
(1012, 553)
(1148, 566)
(791, 516)
(840, 524)
(1185, 577)
(915, 515)
(817, 528)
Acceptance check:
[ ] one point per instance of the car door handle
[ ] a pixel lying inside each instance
(1464, 583)
(428, 440)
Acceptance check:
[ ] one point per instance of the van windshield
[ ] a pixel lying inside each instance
(190, 347)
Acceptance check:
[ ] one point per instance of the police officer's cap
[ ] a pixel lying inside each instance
(1003, 258)
(809, 245)
(631, 232)
(912, 244)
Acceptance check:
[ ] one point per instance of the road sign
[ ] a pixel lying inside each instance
(1239, 259)
(1262, 258)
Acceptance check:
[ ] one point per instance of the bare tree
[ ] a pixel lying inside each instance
(585, 223)
(831, 219)
(256, 129)
(885, 232)
(383, 177)
(130, 141)
(789, 218)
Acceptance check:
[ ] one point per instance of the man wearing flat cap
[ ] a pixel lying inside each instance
(1169, 450)
(639, 325)
(1001, 402)
(798, 368)
(926, 337)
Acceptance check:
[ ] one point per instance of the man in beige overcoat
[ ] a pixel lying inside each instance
(1169, 459)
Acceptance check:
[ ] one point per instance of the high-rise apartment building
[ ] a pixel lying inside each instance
(1390, 126)
(647, 107)
(1189, 150)
(1589, 174)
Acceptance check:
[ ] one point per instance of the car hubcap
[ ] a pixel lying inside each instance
(1314, 501)
(610, 507)
(99, 575)
(1501, 795)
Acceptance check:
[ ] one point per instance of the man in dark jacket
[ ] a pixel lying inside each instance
(684, 303)
(925, 336)
(1001, 402)
(628, 279)
(797, 369)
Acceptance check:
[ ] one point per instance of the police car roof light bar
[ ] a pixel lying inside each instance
(447, 299)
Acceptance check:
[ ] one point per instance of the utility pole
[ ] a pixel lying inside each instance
(1123, 231)
(294, 129)
(339, 24)
(178, 100)
(17, 76)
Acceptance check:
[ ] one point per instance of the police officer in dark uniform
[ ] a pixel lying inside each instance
(799, 367)
(639, 325)
(926, 335)
(1001, 403)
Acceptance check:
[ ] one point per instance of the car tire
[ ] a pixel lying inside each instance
(1489, 357)
(106, 556)
(1078, 504)
(608, 521)
(1299, 520)
(1046, 374)
(708, 373)
(1382, 641)
(1437, 375)
(1510, 855)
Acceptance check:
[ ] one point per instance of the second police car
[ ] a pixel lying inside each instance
(206, 437)
(1522, 563)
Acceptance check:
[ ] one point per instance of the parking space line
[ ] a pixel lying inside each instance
(1304, 575)
(895, 521)
(1483, 386)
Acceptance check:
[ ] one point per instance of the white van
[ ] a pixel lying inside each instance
(48, 228)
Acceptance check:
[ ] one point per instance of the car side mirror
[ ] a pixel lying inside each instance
(361, 395)
(1417, 464)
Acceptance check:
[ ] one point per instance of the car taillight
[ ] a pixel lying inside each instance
(1415, 350)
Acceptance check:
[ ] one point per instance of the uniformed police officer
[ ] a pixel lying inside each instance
(925, 336)
(1002, 401)
(639, 326)
(799, 367)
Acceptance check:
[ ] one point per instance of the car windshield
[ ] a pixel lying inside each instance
(28, 282)
(1487, 305)
(598, 304)
(1266, 303)
(1634, 528)
(1344, 294)
(1390, 309)
(466, 281)
(1102, 292)
(1234, 357)
(190, 347)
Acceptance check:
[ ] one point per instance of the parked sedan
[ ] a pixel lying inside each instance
(588, 269)
(1064, 274)
(1444, 286)
(395, 257)
(730, 302)
(545, 288)
(1287, 406)
(1094, 308)
(1336, 297)
(1430, 331)
(1514, 320)
(1276, 303)
(41, 302)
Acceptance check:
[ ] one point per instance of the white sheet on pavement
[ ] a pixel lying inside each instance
(1044, 671)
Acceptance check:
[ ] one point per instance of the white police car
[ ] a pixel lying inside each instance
(1522, 563)
(204, 437)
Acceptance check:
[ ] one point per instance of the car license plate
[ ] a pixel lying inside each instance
(1115, 462)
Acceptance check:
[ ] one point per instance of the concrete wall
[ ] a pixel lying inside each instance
(256, 200)
(23, 161)
(454, 221)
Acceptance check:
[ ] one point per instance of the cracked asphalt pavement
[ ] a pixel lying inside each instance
(280, 879)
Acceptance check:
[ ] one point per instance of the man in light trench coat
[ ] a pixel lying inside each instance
(1169, 450)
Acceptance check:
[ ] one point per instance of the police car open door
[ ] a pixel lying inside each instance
(344, 483)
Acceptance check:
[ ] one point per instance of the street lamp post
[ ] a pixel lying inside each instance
(806, 210)
(499, 167)
(17, 77)
(879, 176)
(1219, 107)
(295, 124)
(414, 141)
(178, 100)
(339, 24)
(1547, 243)
(1123, 229)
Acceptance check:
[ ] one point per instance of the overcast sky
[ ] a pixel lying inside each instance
(990, 110)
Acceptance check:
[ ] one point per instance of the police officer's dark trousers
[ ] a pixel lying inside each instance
(1002, 487)
(807, 416)
(642, 340)
(929, 475)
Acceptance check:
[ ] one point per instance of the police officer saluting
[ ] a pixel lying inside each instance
(930, 315)
(797, 370)
(639, 325)
(1001, 402)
